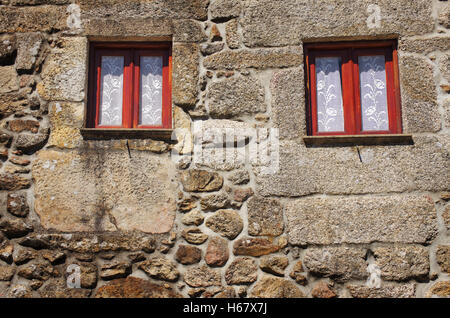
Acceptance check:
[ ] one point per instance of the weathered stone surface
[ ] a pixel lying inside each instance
(390, 291)
(115, 270)
(186, 30)
(28, 45)
(339, 263)
(88, 273)
(273, 23)
(419, 100)
(187, 204)
(446, 216)
(66, 119)
(444, 16)
(194, 235)
(22, 256)
(19, 125)
(217, 253)
(160, 268)
(54, 257)
(322, 290)
(14, 228)
(8, 79)
(6, 252)
(273, 287)
(19, 291)
(187, 254)
(201, 181)
(424, 46)
(64, 70)
(232, 35)
(44, 18)
(133, 287)
(257, 58)
(443, 257)
(338, 170)
(214, 202)
(254, 247)
(30, 143)
(296, 273)
(402, 219)
(136, 257)
(202, 276)
(211, 48)
(444, 66)
(57, 288)
(242, 270)
(17, 205)
(222, 10)
(12, 102)
(240, 177)
(274, 264)
(8, 48)
(227, 223)
(7, 272)
(402, 263)
(236, 96)
(265, 216)
(157, 28)
(185, 74)
(95, 187)
(241, 195)
(193, 218)
(440, 289)
(89, 243)
(228, 292)
(288, 103)
(37, 270)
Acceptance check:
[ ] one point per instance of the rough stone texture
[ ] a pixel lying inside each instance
(227, 223)
(19, 125)
(57, 288)
(22, 256)
(30, 143)
(242, 270)
(187, 254)
(202, 276)
(37, 270)
(339, 263)
(241, 195)
(214, 202)
(254, 247)
(201, 181)
(446, 216)
(257, 58)
(14, 228)
(66, 119)
(391, 291)
(88, 274)
(232, 35)
(322, 290)
(63, 74)
(8, 79)
(7, 272)
(274, 264)
(115, 270)
(274, 23)
(402, 219)
(193, 218)
(6, 252)
(402, 263)
(222, 10)
(211, 48)
(338, 170)
(272, 287)
(443, 257)
(296, 273)
(17, 205)
(419, 100)
(188, 31)
(265, 217)
(440, 289)
(194, 235)
(85, 201)
(424, 46)
(28, 46)
(54, 257)
(217, 253)
(160, 268)
(185, 74)
(288, 109)
(240, 177)
(133, 287)
(236, 96)
(8, 47)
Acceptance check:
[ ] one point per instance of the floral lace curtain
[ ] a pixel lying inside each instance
(151, 91)
(111, 91)
(372, 76)
(330, 114)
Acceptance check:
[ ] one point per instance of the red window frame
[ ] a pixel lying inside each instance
(349, 53)
(132, 53)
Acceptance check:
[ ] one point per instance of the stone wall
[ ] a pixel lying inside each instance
(367, 221)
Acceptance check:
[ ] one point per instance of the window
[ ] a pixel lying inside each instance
(353, 88)
(130, 86)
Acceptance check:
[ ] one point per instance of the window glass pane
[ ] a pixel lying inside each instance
(150, 110)
(372, 77)
(111, 91)
(330, 114)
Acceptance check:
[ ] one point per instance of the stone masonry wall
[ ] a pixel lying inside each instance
(366, 221)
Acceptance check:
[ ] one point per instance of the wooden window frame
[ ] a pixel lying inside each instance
(349, 53)
(132, 53)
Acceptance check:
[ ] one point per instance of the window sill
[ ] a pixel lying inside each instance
(358, 140)
(124, 133)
